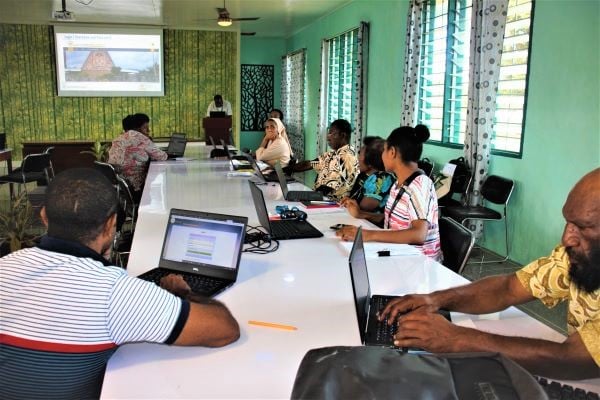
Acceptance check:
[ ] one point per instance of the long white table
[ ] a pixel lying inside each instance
(306, 283)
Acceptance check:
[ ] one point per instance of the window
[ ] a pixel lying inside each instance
(444, 73)
(341, 54)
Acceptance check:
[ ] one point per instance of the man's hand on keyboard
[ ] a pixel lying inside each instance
(430, 331)
(404, 304)
(176, 285)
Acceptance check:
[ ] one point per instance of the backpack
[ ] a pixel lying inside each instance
(367, 372)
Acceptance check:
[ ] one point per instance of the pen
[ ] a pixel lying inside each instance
(330, 202)
(272, 325)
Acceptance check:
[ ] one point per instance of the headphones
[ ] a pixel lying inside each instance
(293, 213)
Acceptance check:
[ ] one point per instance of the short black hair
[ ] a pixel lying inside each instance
(373, 151)
(139, 119)
(128, 123)
(409, 141)
(78, 203)
(217, 96)
(343, 126)
(280, 113)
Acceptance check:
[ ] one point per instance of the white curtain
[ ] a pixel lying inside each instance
(411, 62)
(487, 34)
(292, 99)
(360, 88)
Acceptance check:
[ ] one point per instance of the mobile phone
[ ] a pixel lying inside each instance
(336, 227)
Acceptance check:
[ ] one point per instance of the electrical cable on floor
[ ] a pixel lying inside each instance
(258, 241)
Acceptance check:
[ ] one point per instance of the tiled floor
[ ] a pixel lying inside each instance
(555, 317)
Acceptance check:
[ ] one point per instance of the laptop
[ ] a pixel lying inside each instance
(218, 114)
(372, 331)
(216, 152)
(280, 229)
(205, 248)
(176, 145)
(237, 162)
(294, 195)
(268, 177)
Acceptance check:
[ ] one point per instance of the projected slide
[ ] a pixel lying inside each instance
(109, 62)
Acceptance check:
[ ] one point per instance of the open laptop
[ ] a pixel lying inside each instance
(280, 229)
(205, 248)
(216, 152)
(176, 145)
(266, 177)
(237, 162)
(218, 114)
(294, 195)
(372, 331)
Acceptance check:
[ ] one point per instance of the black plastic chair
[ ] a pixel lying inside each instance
(495, 189)
(35, 167)
(108, 170)
(457, 242)
(125, 224)
(426, 165)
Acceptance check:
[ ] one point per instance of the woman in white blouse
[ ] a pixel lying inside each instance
(275, 145)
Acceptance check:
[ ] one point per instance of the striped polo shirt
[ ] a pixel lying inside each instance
(63, 314)
(417, 202)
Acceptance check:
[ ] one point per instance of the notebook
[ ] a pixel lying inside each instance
(372, 331)
(176, 145)
(294, 195)
(205, 248)
(268, 177)
(280, 229)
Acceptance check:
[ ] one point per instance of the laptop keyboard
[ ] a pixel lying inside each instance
(385, 333)
(558, 391)
(198, 283)
(304, 195)
(290, 228)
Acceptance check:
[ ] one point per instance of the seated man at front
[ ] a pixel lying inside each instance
(66, 309)
(571, 273)
(338, 168)
(133, 150)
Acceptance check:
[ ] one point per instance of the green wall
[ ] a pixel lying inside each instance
(198, 64)
(562, 131)
(266, 51)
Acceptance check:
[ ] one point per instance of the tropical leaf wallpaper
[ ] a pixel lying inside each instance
(198, 64)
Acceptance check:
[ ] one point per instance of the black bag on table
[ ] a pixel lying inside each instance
(381, 373)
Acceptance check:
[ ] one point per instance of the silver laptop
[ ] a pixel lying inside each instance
(177, 145)
(205, 248)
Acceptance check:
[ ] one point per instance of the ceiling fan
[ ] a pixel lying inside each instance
(225, 19)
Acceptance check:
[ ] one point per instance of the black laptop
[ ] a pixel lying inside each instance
(177, 145)
(266, 177)
(237, 162)
(205, 248)
(280, 229)
(294, 195)
(218, 114)
(372, 331)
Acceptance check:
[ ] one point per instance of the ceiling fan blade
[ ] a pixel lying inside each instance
(245, 19)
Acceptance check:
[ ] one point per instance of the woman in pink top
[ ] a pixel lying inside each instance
(411, 212)
(275, 145)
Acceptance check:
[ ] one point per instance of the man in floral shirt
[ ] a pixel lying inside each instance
(133, 150)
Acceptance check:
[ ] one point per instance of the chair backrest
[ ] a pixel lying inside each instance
(36, 163)
(126, 200)
(426, 165)
(497, 189)
(457, 242)
(107, 170)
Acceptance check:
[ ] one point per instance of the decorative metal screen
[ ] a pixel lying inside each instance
(257, 95)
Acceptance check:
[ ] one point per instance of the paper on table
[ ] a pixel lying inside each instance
(395, 249)
(240, 173)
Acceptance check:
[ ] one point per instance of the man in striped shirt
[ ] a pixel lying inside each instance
(65, 308)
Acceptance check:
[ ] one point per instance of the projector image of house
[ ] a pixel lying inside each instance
(99, 63)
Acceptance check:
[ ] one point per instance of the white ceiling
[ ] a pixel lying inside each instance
(278, 18)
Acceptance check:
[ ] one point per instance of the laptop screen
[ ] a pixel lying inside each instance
(217, 114)
(195, 239)
(177, 145)
(282, 180)
(259, 204)
(360, 283)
